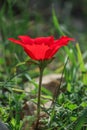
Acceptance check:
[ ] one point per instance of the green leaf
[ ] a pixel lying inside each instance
(70, 105)
(71, 55)
(81, 64)
(69, 88)
(2, 61)
(80, 58)
(56, 23)
(61, 98)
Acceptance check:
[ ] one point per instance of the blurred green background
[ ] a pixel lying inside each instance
(35, 18)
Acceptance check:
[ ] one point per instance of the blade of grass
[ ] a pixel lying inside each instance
(80, 58)
(81, 63)
(56, 23)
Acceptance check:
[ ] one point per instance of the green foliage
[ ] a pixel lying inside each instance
(81, 120)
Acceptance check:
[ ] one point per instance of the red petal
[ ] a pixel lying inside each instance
(38, 51)
(29, 53)
(15, 41)
(48, 54)
(63, 41)
(26, 39)
(45, 40)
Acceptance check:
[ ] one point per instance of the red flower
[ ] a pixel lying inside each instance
(41, 48)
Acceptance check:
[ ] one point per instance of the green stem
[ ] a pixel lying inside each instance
(39, 96)
(39, 93)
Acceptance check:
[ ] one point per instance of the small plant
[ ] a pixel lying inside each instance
(41, 50)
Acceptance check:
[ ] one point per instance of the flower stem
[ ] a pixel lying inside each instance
(39, 93)
(39, 96)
